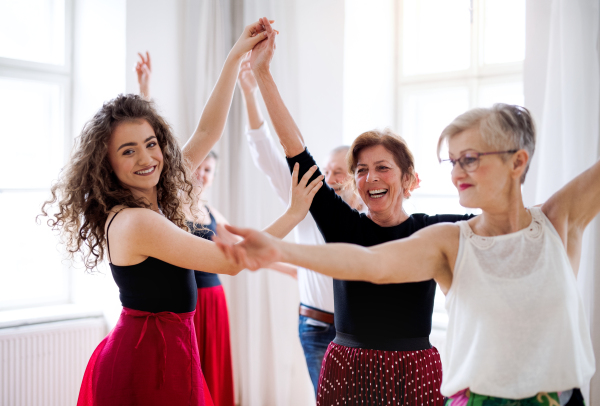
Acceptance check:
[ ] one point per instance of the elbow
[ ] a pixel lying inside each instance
(233, 271)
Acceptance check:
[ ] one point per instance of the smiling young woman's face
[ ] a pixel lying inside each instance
(135, 156)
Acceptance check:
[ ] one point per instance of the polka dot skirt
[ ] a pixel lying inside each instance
(355, 376)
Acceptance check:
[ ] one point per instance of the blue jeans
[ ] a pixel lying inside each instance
(314, 339)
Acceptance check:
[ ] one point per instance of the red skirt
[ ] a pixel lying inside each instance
(355, 376)
(212, 329)
(147, 359)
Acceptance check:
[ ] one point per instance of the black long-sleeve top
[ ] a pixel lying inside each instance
(382, 317)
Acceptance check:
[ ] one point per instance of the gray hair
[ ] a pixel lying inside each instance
(341, 148)
(501, 126)
(212, 154)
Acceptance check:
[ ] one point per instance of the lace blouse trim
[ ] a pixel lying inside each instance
(533, 231)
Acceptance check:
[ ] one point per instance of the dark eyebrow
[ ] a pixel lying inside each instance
(133, 144)
(127, 144)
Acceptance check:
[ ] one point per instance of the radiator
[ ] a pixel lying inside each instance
(43, 364)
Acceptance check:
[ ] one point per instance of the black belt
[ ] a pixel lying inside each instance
(382, 343)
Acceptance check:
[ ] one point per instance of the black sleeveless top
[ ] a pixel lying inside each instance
(153, 285)
(392, 317)
(205, 279)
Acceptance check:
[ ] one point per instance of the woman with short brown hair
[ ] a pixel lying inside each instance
(381, 353)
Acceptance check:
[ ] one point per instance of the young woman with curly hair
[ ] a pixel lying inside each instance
(121, 197)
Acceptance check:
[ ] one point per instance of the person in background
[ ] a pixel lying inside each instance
(316, 327)
(517, 330)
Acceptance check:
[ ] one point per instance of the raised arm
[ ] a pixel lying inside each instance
(249, 87)
(572, 208)
(265, 154)
(285, 127)
(212, 122)
(143, 70)
(428, 254)
(302, 194)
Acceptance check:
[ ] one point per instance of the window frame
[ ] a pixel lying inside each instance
(472, 77)
(61, 75)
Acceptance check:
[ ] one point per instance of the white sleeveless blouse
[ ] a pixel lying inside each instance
(516, 321)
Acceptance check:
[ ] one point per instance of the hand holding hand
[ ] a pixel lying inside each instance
(246, 78)
(143, 68)
(257, 249)
(252, 35)
(262, 53)
(301, 194)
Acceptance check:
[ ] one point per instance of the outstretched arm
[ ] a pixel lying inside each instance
(428, 254)
(285, 269)
(212, 122)
(285, 126)
(572, 208)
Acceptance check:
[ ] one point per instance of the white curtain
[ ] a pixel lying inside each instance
(562, 89)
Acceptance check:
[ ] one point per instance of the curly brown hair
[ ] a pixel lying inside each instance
(87, 188)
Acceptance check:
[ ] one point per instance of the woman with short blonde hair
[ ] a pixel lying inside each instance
(517, 329)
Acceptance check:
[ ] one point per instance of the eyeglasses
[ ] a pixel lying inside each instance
(469, 162)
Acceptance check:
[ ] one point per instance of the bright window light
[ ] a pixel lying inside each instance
(33, 30)
(32, 271)
(503, 31)
(436, 36)
(33, 119)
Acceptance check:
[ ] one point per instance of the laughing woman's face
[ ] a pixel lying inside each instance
(379, 180)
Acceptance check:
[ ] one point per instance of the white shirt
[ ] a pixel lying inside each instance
(516, 321)
(316, 290)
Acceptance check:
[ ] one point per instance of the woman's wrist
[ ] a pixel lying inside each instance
(261, 73)
(284, 252)
(234, 58)
(250, 95)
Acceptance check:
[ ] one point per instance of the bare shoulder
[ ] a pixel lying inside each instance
(440, 232)
(135, 220)
(445, 238)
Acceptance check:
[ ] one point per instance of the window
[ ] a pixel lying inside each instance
(453, 55)
(35, 83)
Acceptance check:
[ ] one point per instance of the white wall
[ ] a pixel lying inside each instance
(155, 26)
(369, 60)
(320, 75)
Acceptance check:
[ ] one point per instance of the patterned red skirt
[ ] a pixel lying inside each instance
(212, 330)
(355, 376)
(147, 359)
